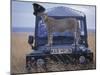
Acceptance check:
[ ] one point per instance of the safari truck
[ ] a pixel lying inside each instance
(64, 48)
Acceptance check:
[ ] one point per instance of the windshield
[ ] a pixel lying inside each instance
(42, 31)
(58, 37)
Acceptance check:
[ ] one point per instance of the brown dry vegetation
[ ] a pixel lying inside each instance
(20, 47)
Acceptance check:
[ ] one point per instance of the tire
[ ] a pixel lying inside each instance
(28, 68)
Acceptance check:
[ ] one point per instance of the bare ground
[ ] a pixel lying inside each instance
(20, 47)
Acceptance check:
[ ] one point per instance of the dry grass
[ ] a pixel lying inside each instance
(92, 43)
(20, 48)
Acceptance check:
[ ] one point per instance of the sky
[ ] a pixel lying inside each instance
(22, 13)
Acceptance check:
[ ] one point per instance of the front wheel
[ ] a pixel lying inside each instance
(28, 67)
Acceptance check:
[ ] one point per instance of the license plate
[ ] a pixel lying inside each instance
(60, 51)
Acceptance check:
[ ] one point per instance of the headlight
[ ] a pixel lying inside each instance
(83, 48)
(32, 58)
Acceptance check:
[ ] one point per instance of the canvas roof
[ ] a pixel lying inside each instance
(64, 11)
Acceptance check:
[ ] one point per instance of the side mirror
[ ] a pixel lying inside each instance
(31, 40)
